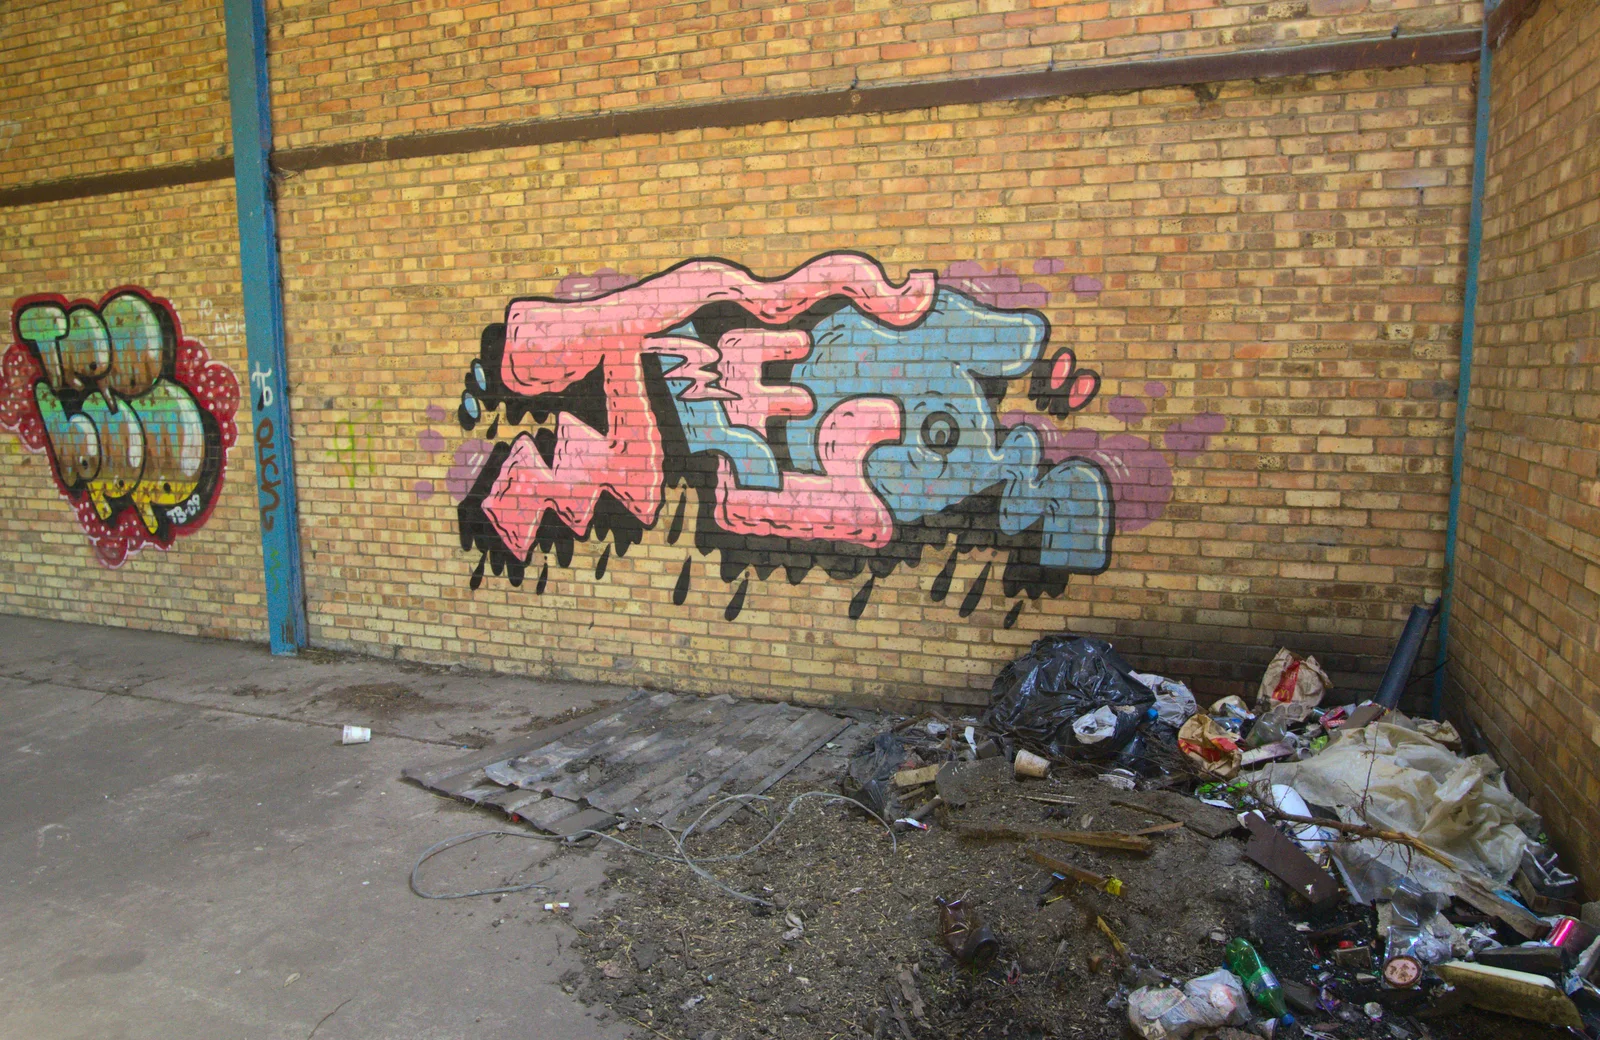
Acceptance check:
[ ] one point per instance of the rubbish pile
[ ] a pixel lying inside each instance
(1356, 805)
(1098, 853)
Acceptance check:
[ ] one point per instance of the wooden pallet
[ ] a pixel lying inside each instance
(656, 757)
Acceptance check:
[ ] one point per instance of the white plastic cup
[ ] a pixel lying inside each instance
(1029, 764)
(356, 735)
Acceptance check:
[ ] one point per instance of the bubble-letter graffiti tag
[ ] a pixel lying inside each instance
(824, 418)
(136, 419)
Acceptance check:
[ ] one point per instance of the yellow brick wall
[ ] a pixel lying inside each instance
(1276, 266)
(181, 245)
(90, 87)
(349, 69)
(1286, 256)
(1527, 636)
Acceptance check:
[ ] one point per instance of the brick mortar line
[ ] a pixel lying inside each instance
(1452, 47)
(206, 707)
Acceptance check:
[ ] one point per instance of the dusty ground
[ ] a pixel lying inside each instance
(686, 961)
(187, 852)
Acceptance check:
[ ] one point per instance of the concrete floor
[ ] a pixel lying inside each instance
(186, 851)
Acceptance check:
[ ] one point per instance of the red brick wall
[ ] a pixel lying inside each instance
(1527, 632)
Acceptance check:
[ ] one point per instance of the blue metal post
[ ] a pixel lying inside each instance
(1469, 331)
(263, 317)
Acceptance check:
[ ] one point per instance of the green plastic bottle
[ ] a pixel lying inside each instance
(1262, 985)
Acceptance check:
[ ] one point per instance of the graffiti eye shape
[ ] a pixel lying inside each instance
(940, 432)
(479, 376)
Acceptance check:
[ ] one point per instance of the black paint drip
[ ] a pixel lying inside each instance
(736, 604)
(941, 584)
(858, 602)
(494, 429)
(1011, 615)
(544, 576)
(477, 572)
(600, 567)
(975, 593)
(677, 520)
(680, 591)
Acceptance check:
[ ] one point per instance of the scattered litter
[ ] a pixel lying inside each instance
(1159, 1013)
(356, 735)
(1361, 902)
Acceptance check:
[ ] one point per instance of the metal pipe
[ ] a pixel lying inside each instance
(251, 108)
(1398, 675)
(1469, 329)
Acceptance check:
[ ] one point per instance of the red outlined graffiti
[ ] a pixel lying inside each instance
(135, 419)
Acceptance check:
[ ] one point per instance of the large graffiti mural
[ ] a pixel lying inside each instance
(135, 419)
(826, 418)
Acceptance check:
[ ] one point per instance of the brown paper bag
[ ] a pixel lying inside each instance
(1210, 747)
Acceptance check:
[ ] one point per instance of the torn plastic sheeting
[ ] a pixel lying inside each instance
(1038, 697)
(1174, 701)
(1388, 776)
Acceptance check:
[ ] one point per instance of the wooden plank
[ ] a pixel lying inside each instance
(1275, 853)
(829, 726)
(512, 800)
(431, 777)
(662, 801)
(538, 767)
(671, 766)
(586, 820)
(640, 748)
(1478, 894)
(1207, 820)
(547, 812)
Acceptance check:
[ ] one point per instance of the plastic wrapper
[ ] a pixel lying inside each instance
(1174, 701)
(871, 771)
(1209, 746)
(1297, 683)
(1039, 697)
(1208, 1002)
(1391, 777)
